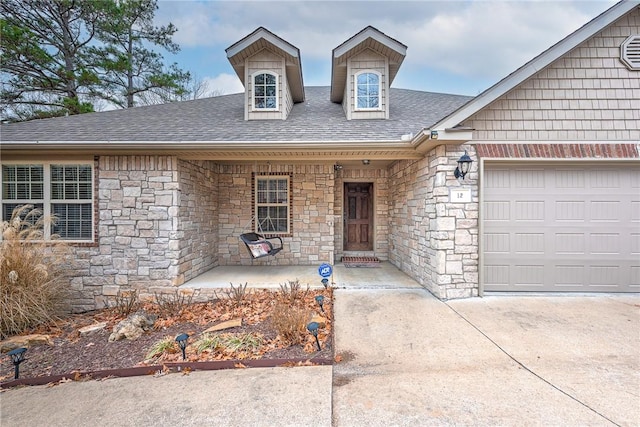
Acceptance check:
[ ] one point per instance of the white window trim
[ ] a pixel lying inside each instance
(253, 91)
(47, 201)
(256, 205)
(355, 91)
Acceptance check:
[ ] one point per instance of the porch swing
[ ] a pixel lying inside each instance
(258, 245)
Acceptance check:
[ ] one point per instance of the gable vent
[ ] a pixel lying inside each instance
(630, 52)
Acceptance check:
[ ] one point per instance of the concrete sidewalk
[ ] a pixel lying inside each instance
(407, 360)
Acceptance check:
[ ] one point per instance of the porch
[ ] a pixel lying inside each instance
(384, 276)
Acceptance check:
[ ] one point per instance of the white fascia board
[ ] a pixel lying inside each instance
(199, 145)
(538, 63)
(364, 35)
(262, 34)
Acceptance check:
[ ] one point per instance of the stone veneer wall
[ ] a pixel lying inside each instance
(138, 243)
(197, 234)
(312, 239)
(433, 240)
(379, 178)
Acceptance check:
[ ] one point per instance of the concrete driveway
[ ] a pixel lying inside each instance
(406, 359)
(410, 359)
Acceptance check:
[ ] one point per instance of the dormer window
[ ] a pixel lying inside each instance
(265, 91)
(368, 90)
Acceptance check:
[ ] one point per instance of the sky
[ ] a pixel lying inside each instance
(458, 47)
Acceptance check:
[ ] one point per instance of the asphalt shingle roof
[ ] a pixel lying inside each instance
(222, 119)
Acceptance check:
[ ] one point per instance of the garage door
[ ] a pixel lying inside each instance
(564, 228)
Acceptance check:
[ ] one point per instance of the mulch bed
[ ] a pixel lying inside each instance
(73, 356)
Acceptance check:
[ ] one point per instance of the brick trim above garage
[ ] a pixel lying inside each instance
(559, 151)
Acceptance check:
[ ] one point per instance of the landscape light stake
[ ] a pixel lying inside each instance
(182, 342)
(313, 328)
(325, 282)
(17, 357)
(320, 301)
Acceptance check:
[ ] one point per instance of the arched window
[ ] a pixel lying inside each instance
(368, 90)
(265, 91)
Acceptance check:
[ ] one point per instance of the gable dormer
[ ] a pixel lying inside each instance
(271, 71)
(362, 71)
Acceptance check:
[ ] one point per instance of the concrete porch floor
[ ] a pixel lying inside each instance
(385, 276)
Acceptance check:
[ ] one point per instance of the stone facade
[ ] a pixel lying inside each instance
(432, 240)
(311, 241)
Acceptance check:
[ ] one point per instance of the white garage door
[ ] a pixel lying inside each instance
(564, 228)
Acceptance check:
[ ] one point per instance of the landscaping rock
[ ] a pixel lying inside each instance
(132, 327)
(233, 323)
(92, 328)
(24, 341)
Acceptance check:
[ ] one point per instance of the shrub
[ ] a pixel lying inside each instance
(292, 291)
(33, 286)
(290, 323)
(126, 302)
(174, 304)
(236, 295)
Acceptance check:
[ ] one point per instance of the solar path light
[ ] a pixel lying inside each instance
(182, 342)
(313, 328)
(320, 301)
(17, 357)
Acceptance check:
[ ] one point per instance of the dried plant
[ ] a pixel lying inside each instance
(126, 302)
(237, 295)
(33, 279)
(174, 304)
(292, 291)
(290, 323)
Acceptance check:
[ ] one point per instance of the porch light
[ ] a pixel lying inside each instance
(337, 167)
(366, 162)
(313, 328)
(320, 301)
(434, 134)
(17, 357)
(182, 342)
(464, 165)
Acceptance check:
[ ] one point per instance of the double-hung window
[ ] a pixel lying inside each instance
(60, 190)
(272, 204)
(265, 91)
(368, 91)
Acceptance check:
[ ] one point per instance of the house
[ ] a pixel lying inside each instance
(155, 196)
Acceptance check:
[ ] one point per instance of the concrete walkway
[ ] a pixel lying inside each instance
(407, 359)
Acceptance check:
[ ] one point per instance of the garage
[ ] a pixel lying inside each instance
(561, 227)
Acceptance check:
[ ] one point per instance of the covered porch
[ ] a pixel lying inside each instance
(384, 276)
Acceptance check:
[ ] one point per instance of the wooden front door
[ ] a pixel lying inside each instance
(358, 216)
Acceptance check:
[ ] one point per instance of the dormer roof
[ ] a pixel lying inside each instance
(261, 39)
(368, 38)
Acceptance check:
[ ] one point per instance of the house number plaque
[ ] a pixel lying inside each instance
(460, 195)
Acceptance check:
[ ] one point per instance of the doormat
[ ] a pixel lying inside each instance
(360, 261)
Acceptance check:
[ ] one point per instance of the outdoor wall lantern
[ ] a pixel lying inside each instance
(320, 301)
(17, 356)
(366, 162)
(337, 167)
(182, 342)
(313, 328)
(325, 282)
(434, 134)
(464, 165)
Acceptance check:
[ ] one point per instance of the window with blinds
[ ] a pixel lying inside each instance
(60, 190)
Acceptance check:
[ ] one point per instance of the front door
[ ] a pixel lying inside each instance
(358, 216)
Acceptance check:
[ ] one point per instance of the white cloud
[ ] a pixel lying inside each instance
(222, 84)
(483, 39)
